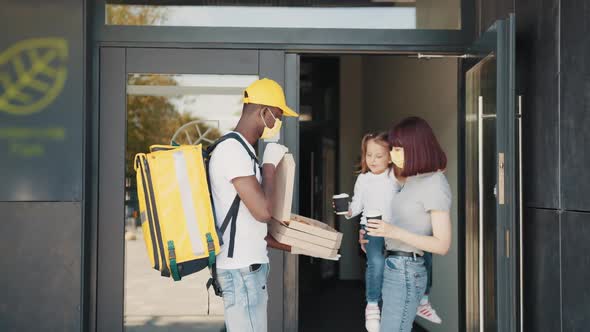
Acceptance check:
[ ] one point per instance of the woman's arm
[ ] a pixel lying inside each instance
(439, 243)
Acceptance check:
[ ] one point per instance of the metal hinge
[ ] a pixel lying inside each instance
(501, 178)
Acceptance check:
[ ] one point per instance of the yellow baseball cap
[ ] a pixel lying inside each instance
(267, 92)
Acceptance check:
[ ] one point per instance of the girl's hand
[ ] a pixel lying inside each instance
(349, 214)
(380, 228)
(362, 240)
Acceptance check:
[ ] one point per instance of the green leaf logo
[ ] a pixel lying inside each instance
(32, 74)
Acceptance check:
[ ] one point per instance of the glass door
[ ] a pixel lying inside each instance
(166, 96)
(491, 203)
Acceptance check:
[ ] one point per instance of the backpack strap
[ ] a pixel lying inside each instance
(232, 214)
(237, 137)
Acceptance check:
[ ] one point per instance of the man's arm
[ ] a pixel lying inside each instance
(259, 200)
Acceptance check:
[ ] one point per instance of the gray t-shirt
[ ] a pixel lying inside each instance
(411, 206)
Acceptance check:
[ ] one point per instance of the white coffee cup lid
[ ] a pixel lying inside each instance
(343, 195)
(372, 213)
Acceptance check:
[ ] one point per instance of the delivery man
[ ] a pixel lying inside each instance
(238, 179)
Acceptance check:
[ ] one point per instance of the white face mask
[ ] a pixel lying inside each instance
(397, 157)
(270, 132)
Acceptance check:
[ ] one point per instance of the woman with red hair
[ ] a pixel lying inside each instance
(420, 222)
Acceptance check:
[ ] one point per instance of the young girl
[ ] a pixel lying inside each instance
(373, 193)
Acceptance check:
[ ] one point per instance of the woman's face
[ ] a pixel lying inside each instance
(377, 157)
(397, 156)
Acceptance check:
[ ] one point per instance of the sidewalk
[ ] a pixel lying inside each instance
(157, 304)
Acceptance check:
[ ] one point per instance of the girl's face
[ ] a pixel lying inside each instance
(377, 157)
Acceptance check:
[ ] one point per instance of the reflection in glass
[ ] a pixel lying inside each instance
(361, 14)
(481, 87)
(191, 109)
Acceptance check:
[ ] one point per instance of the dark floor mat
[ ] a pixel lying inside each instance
(336, 306)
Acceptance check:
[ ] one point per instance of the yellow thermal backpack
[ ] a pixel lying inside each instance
(177, 212)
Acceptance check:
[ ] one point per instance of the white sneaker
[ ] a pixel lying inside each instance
(372, 318)
(427, 312)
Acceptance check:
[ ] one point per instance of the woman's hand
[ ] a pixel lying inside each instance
(349, 214)
(380, 228)
(362, 240)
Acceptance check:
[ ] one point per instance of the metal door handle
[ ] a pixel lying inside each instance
(520, 211)
(480, 202)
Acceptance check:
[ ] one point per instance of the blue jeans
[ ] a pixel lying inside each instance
(404, 283)
(375, 265)
(245, 298)
(428, 265)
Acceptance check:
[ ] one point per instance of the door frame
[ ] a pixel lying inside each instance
(290, 137)
(108, 251)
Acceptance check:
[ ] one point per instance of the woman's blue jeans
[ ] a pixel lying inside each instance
(428, 264)
(404, 284)
(375, 265)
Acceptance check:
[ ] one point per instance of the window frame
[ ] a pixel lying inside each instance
(298, 39)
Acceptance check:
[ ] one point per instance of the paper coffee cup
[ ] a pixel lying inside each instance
(341, 203)
(373, 214)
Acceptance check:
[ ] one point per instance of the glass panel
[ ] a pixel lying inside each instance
(188, 109)
(359, 14)
(481, 92)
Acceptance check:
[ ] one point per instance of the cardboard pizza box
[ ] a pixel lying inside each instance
(283, 194)
(283, 229)
(300, 251)
(310, 247)
(309, 236)
(314, 227)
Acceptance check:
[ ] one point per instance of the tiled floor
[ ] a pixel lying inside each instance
(157, 304)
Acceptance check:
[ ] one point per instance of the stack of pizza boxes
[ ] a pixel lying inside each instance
(307, 236)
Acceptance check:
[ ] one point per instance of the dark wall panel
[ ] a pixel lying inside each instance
(537, 49)
(575, 104)
(488, 11)
(41, 100)
(541, 270)
(41, 267)
(575, 271)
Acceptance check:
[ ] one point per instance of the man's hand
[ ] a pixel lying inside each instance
(273, 243)
(273, 153)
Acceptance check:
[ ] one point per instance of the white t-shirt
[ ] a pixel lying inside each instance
(228, 161)
(374, 192)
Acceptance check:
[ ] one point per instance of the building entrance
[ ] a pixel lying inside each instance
(156, 95)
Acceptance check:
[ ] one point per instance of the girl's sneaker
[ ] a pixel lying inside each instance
(372, 318)
(427, 312)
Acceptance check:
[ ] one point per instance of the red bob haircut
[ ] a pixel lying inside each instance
(422, 152)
